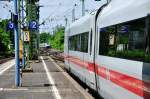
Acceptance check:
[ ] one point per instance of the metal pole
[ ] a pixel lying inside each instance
(19, 26)
(17, 76)
(83, 8)
(108, 1)
(23, 56)
(73, 14)
(66, 21)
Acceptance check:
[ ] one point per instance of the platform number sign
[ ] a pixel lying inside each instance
(124, 29)
(26, 36)
(11, 25)
(33, 25)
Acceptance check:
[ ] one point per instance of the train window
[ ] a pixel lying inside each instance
(84, 42)
(107, 40)
(126, 40)
(71, 43)
(79, 42)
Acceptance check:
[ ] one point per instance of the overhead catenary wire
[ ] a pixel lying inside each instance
(65, 13)
(55, 17)
(62, 15)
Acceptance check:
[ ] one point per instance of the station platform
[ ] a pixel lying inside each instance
(47, 81)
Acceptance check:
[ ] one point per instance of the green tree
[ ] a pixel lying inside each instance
(44, 37)
(4, 37)
(57, 40)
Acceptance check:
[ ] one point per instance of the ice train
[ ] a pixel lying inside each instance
(109, 50)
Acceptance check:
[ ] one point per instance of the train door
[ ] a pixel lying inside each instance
(88, 58)
(79, 54)
(102, 80)
(96, 47)
(76, 55)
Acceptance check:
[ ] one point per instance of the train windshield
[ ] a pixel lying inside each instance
(125, 40)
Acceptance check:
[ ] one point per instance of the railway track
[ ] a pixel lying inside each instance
(5, 60)
(55, 54)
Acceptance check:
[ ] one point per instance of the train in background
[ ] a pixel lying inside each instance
(109, 50)
(44, 45)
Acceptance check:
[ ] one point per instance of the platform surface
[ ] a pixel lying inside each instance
(47, 81)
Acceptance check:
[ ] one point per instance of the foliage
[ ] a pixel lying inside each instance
(4, 37)
(44, 37)
(57, 40)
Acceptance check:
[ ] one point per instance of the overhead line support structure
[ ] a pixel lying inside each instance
(32, 11)
(83, 7)
(23, 55)
(17, 73)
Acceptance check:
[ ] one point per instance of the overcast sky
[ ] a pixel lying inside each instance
(54, 12)
(4, 9)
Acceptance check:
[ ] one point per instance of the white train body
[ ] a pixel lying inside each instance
(109, 50)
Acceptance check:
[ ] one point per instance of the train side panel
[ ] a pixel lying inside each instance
(89, 57)
(81, 61)
(121, 50)
(119, 78)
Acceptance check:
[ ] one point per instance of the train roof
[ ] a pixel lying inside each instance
(80, 26)
(119, 11)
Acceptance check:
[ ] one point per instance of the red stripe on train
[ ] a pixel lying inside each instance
(102, 71)
(132, 84)
(78, 62)
(129, 83)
